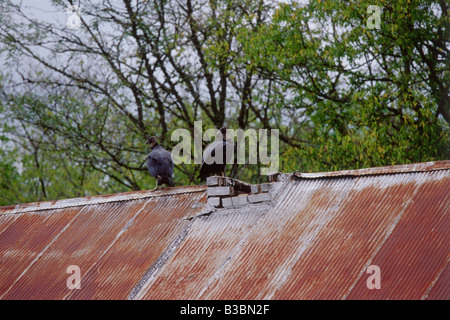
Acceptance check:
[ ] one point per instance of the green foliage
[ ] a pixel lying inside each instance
(367, 92)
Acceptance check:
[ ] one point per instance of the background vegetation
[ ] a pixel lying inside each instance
(77, 105)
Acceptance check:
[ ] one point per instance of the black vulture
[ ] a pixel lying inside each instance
(159, 163)
(216, 155)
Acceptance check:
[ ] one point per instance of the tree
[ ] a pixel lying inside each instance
(371, 96)
(135, 68)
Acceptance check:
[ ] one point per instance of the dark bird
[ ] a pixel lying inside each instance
(159, 163)
(216, 155)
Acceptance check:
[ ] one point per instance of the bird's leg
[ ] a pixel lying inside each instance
(156, 187)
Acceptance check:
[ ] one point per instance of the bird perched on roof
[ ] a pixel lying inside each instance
(216, 155)
(159, 163)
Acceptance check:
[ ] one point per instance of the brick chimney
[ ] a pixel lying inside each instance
(225, 192)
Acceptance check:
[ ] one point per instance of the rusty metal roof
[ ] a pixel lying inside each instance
(315, 240)
(112, 239)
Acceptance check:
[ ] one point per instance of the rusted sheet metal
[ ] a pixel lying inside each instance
(317, 242)
(440, 289)
(23, 241)
(113, 243)
(414, 167)
(77, 202)
(211, 242)
(369, 218)
(412, 259)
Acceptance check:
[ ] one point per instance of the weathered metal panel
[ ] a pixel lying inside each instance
(396, 169)
(23, 241)
(82, 243)
(279, 240)
(113, 244)
(141, 242)
(416, 252)
(348, 243)
(315, 242)
(319, 239)
(207, 249)
(440, 288)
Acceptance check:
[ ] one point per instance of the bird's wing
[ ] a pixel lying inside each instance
(167, 156)
(210, 150)
(164, 157)
(156, 156)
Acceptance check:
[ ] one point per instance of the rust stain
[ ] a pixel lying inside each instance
(112, 243)
(204, 252)
(417, 248)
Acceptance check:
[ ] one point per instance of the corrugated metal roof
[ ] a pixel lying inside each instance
(112, 239)
(315, 240)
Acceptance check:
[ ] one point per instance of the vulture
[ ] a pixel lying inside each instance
(159, 163)
(216, 155)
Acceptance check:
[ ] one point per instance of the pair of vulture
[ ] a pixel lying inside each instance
(160, 164)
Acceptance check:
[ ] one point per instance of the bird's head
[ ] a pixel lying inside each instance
(152, 141)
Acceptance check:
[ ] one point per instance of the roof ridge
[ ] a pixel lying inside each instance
(97, 199)
(142, 194)
(394, 169)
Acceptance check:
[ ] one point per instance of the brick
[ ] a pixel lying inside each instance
(265, 187)
(226, 181)
(278, 177)
(239, 200)
(220, 191)
(212, 181)
(260, 197)
(254, 188)
(227, 202)
(214, 201)
(242, 186)
(220, 181)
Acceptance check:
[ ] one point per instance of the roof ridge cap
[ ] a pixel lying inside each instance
(92, 200)
(394, 169)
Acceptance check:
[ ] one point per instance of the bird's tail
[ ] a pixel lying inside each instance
(166, 180)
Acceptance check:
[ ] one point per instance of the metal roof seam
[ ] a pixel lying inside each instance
(124, 228)
(425, 296)
(142, 285)
(381, 244)
(41, 253)
(50, 205)
(388, 170)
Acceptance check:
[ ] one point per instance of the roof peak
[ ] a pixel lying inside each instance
(277, 177)
(394, 169)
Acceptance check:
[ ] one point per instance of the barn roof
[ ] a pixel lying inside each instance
(311, 236)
